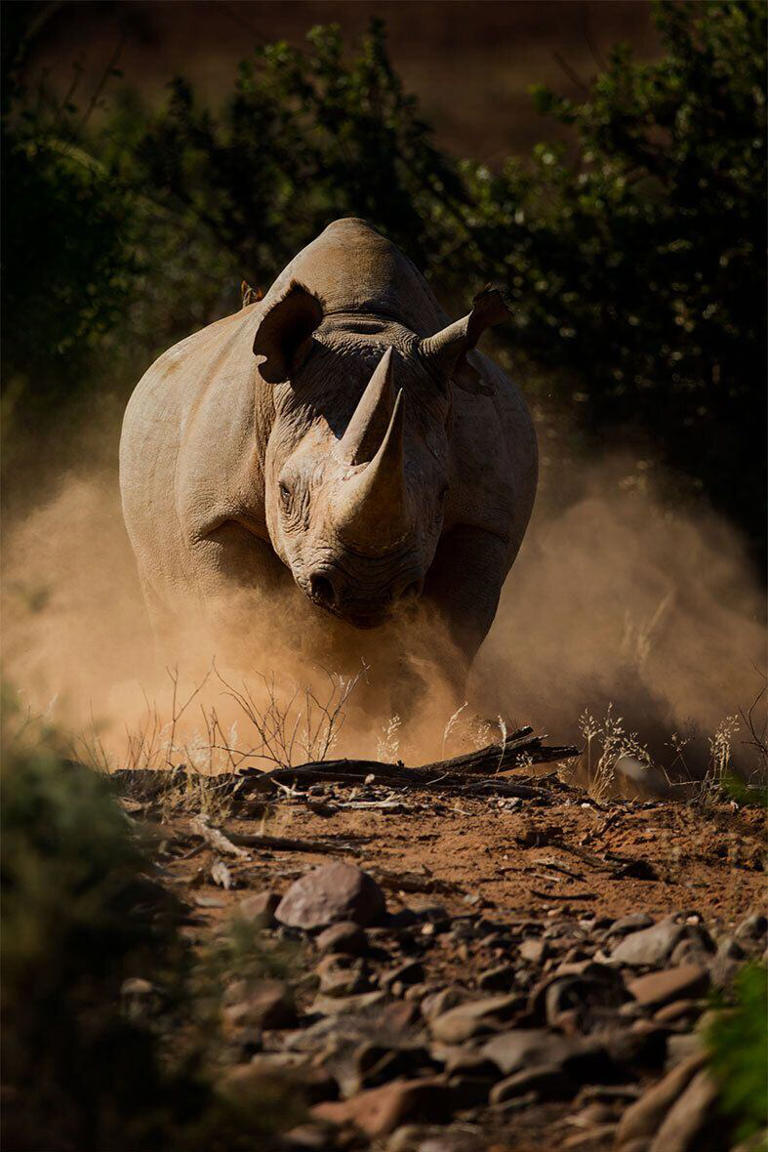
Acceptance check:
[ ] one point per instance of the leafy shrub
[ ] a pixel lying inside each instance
(633, 255)
(80, 915)
(739, 1044)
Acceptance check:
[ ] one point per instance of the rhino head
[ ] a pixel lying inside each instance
(357, 467)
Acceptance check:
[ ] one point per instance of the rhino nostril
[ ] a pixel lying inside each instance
(322, 589)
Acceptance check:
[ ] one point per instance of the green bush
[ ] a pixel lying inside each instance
(81, 913)
(634, 255)
(739, 1043)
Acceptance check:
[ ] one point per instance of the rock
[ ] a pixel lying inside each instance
(641, 1120)
(499, 979)
(534, 951)
(344, 1005)
(342, 975)
(316, 1082)
(679, 1012)
(652, 946)
(334, 892)
(589, 1140)
(412, 972)
(692, 1125)
(525, 1048)
(751, 933)
(659, 988)
(309, 1138)
(378, 1111)
(473, 1018)
(681, 1048)
(346, 938)
(379, 1064)
(436, 1003)
(259, 909)
(696, 947)
(430, 1138)
(632, 923)
(266, 1004)
(548, 1083)
(589, 994)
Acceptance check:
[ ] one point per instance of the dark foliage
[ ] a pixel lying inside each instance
(635, 256)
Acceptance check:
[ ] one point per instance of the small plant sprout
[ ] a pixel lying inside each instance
(388, 744)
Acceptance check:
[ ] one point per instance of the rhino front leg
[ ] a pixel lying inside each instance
(464, 584)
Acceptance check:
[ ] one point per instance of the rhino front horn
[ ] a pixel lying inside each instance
(368, 426)
(444, 354)
(374, 509)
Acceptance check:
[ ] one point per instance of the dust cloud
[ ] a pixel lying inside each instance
(615, 599)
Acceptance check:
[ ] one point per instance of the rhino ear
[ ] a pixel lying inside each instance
(449, 353)
(284, 336)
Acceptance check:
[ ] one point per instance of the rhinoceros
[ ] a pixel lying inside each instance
(338, 435)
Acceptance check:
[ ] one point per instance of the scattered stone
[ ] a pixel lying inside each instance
(473, 1018)
(344, 1005)
(692, 1124)
(534, 951)
(642, 1119)
(345, 937)
(679, 1012)
(523, 1048)
(589, 1140)
(378, 1111)
(430, 1138)
(259, 909)
(334, 892)
(548, 1083)
(660, 988)
(681, 1048)
(632, 923)
(310, 1137)
(696, 947)
(412, 972)
(499, 979)
(651, 946)
(342, 975)
(265, 1004)
(437, 1003)
(751, 933)
(583, 996)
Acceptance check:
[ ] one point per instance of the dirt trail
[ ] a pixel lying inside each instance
(504, 926)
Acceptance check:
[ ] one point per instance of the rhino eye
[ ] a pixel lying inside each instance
(285, 494)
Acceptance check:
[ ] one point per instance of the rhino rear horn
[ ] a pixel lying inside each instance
(284, 336)
(445, 353)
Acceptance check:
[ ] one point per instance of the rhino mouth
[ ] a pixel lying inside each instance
(358, 618)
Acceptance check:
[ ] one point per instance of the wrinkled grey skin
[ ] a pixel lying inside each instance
(287, 441)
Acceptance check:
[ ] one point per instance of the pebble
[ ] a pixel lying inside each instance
(659, 988)
(342, 975)
(692, 1124)
(345, 937)
(642, 1119)
(521, 1048)
(650, 946)
(472, 1018)
(333, 892)
(265, 1004)
(548, 1083)
(259, 909)
(499, 979)
(378, 1111)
